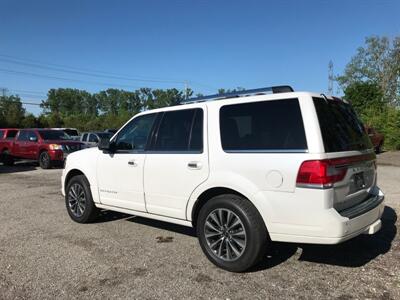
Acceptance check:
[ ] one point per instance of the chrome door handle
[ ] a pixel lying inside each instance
(194, 165)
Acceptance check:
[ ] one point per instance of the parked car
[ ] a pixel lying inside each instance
(47, 146)
(91, 139)
(7, 136)
(73, 133)
(244, 169)
(111, 130)
(377, 138)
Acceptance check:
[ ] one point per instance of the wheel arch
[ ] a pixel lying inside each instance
(72, 173)
(210, 193)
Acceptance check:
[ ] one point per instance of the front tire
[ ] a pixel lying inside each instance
(79, 201)
(232, 233)
(45, 160)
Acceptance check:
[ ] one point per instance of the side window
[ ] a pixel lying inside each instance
(93, 138)
(180, 130)
(263, 126)
(32, 136)
(11, 134)
(1, 134)
(84, 137)
(23, 136)
(135, 134)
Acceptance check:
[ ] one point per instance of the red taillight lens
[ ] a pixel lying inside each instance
(319, 173)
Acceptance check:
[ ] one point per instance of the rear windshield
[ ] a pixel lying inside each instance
(54, 135)
(341, 129)
(71, 132)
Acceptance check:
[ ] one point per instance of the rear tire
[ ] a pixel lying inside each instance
(79, 201)
(45, 160)
(378, 149)
(235, 248)
(8, 160)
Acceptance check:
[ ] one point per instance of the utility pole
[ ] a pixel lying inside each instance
(186, 90)
(330, 78)
(3, 91)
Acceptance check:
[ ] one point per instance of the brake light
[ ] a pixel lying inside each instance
(320, 173)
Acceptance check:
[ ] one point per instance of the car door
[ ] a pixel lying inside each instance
(120, 173)
(32, 145)
(176, 161)
(19, 148)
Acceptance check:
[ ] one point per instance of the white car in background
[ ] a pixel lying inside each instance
(244, 169)
(92, 139)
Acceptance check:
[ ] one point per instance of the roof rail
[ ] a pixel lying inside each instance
(244, 93)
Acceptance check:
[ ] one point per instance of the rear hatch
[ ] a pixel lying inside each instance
(350, 152)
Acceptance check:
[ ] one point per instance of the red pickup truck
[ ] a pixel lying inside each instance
(46, 146)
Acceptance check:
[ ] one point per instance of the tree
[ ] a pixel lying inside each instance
(364, 95)
(379, 62)
(11, 111)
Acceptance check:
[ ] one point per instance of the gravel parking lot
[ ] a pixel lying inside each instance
(44, 254)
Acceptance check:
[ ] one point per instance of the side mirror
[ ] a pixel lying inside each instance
(33, 139)
(106, 146)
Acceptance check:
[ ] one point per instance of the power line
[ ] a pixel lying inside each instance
(65, 79)
(83, 71)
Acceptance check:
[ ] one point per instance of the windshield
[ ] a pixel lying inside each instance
(54, 135)
(105, 135)
(341, 129)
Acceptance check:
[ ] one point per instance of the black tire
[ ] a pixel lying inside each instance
(8, 160)
(45, 160)
(255, 239)
(378, 149)
(90, 211)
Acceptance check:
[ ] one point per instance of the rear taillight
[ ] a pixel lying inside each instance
(320, 173)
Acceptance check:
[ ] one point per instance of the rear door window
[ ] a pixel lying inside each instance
(1, 134)
(263, 126)
(341, 129)
(11, 134)
(180, 130)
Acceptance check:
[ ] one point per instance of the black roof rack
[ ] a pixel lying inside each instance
(244, 93)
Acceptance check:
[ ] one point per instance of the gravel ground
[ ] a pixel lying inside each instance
(44, 255)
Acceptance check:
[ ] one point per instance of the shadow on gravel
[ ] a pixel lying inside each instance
(358, 251)
(164, 225)
(108, 215)
(18, 167)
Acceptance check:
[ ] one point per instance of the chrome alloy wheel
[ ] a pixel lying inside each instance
(77, 200)
(225, 234)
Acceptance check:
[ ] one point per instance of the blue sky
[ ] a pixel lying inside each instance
(210, 44)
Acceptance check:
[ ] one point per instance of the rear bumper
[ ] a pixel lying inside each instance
(328, 226)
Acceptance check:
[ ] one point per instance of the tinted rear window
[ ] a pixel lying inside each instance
(341, 129)
(268, 125)
(53, 135)
(11, 134)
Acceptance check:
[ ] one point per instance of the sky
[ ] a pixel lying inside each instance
(95, 45)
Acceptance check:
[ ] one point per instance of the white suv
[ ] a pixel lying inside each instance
(244, 169)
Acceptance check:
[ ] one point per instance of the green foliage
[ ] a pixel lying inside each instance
(371, 82)
(364, 95)
(11, 111)
(379, 62)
